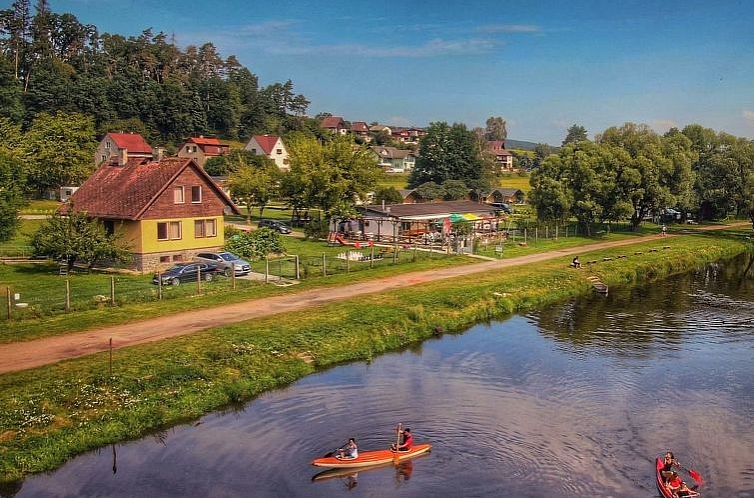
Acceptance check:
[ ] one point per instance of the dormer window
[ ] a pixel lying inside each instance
(280, 151)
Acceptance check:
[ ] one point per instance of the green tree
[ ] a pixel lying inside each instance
(576, 133)
(496, 129)
(255, 186)
(60, 149)
(76, 237)
(450, 153)
(11, 193)
(388, 195)
(429, 191)
(454, 190)
(255, 245)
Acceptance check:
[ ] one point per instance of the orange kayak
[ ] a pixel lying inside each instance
(369, 458)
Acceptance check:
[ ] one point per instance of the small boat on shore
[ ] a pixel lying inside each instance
(371, 458)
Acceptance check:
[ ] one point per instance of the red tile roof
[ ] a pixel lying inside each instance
(333, 122)
(359, 126)
(133, 142)
(205, 141)
(266, 142)
(125, 192)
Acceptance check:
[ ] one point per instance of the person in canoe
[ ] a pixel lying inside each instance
(668, 463)
(407, 440)
(349, 451)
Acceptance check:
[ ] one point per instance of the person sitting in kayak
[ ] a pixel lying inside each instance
(407, 440)
(668, 462)
(350, 451)
(675, 484)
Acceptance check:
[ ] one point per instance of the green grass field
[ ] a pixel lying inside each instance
(40, 206)
(19, 245)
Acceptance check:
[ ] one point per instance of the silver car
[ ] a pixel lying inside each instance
(226, 262)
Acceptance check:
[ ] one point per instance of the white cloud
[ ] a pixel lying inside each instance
(748, 116)
(512, 28)
(433, 48)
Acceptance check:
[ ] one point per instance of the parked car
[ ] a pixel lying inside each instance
(274, 225)
(225, 261)
(186, 273)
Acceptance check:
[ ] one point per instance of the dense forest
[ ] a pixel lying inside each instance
(53, 63)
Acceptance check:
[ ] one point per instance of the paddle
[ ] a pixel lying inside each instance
(333, 452)
(694, 474)
(397, 441)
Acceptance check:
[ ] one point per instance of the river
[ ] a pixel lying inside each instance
(571, 401)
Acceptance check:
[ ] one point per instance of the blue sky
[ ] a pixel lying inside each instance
(541, 65)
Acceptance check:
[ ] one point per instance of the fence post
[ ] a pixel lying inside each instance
(324, 265)
(371, 258)
(233, 276)
(348, 261)
(547, 231)
(536, 235)
(298, 268)
(159, 285)
(524, 236)
(556, 232)
(67, 295)
(199, 280)
(111, 358)
(280, 270)
(416, 247)
(112, 291)
(395, 242)
(266, 269)
(10, 305)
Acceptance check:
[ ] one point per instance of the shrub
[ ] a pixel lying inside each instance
(255, 245)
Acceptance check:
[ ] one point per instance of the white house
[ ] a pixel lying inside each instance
(271, 146)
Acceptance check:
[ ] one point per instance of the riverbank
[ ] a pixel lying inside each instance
(52, 413)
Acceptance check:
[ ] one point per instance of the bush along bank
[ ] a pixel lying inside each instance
(49, 414)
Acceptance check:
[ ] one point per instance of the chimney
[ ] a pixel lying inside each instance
(123, 157)
(159, 152)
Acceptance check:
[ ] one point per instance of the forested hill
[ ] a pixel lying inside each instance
(52, 62)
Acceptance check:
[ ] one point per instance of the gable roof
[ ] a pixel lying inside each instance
(266, 142)
(125, 192)
(133, 142)
(359, 126)
(333, 122)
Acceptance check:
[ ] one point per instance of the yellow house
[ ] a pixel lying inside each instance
(166, 211)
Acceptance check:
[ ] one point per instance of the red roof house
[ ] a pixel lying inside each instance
(202, 148)
(271, 146)
(121, 147)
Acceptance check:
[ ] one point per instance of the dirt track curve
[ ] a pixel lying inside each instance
(30, 354)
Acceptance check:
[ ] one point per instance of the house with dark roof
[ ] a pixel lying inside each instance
(202, 148)
(418, 220)
(503, 195)
(122, 147)
(271, 146)
(165, 211)
(361, 129)
(334, 124)
(503, 158)
(394, 160)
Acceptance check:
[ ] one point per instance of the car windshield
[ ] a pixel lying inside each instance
(227, 256)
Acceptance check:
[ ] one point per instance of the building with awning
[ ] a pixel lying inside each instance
(417, 220)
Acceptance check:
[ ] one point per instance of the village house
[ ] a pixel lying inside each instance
(378, 128)
(334, 124)
(270, 146)
(361, 129)
(395, 160)
(121, 147)
(424, 220)
(165, 211)
(503, 158)
(409, 196)
(202, 148)
(503, 195)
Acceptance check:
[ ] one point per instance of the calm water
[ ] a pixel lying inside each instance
(571, 401)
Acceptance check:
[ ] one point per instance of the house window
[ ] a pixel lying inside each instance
(205, 228)
(169, 230)
(253, 151)
(164, 259)
(109, 226)
(178, 195)
(178, 257)
(196, 193)
(279, 151)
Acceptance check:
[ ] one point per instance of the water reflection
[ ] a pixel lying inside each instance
(571, 401)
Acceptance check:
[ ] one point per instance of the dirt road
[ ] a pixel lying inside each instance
(30, 354)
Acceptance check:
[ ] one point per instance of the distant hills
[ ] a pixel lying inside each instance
(519, 144)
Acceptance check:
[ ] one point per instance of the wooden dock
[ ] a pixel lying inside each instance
(598, 286)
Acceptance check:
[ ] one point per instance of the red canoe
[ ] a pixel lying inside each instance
(664, 491)
(369, 458)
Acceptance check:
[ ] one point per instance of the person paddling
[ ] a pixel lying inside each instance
(350, 451)
(406, 440)
(668, 462)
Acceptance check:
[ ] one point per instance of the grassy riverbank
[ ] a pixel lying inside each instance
(52, 413)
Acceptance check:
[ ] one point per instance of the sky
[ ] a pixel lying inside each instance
(541, 65)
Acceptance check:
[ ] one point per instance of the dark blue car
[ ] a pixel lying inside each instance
(186, 273)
